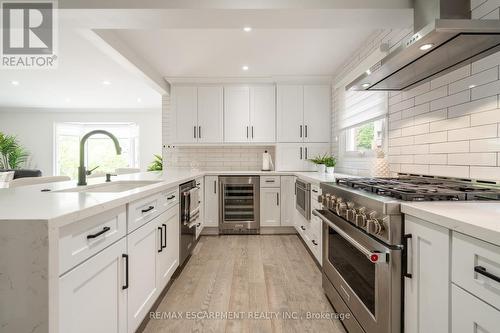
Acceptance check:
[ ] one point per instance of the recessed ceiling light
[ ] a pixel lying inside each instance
(472, 86)
(245, 67)
(139, 100)
(247, 29)
(14, 83)
(68, 100)
(368, 72)
(106, 82)
(365, 85)
(426, 47)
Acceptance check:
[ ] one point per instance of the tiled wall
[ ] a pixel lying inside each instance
(445, 127)
(221, 157)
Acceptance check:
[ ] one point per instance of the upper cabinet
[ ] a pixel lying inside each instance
(304, 113)
(198, 112)
(249, 113)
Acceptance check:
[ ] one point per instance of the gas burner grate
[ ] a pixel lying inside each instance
(422, 189)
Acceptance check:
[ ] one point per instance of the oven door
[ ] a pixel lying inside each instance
(364, 272)
(303, 199)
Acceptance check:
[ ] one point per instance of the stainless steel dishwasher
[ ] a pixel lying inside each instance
(239, 205)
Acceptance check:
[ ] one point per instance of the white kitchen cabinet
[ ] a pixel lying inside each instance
(185, 104)
(211, 201)
(200, 183)
(317, 122)
(91, 296)
(262, 114)
(287, 200)
(198, 112)
(296, 156)
(270, 210)
(210, 114)
(236, 113)
(143, 245)
(427, 292)
(472, 315)
(249, 113)
(303, 113)
(167, 257)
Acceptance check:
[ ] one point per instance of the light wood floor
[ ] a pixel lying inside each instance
(256, 273)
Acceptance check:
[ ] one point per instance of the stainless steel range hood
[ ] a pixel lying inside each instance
(446, 39)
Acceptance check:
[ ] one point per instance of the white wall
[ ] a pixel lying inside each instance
(35, 130)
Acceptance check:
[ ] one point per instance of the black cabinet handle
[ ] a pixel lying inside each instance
(300, 130)
(277, 199)
(150, 208)
(161, 239)
(171, 197)
(126, 271)
(306, 131)
(164, 238)
(302, 227)
(252, 132)
(270, 181)
(194, 133)
(306, 152)
(97, 234)
(314, 242)
(198, 225)
(215, 186)
(315, 191)
(199, 132)
(481, 270)
(300, 152)
(405, 256)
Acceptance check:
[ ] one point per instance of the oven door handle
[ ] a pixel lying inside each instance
(375, 257)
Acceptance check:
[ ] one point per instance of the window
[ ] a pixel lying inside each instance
(365, 137)
(99, 151)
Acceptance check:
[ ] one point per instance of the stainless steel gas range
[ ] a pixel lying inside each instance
(364, 257)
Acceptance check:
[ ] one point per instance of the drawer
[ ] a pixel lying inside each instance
(169, 198)
(470, 258)
(316, 226)
(144, 210)
(270, 181)
(81, 240)
(315, 191)
(469, 314)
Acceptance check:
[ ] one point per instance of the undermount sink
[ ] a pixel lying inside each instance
(112, 187)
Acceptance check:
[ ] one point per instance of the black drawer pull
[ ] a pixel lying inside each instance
(160, 229)
(481, 270)
(314, 242)
(164, 238)
(150, 208)
(126, 271)
(97, 234)
(270, 181)
(405, 256)
(315, 191)
(171, 197)
(302, 227)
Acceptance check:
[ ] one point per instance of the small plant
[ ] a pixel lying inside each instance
(330, 161)
(320, 159)
(157, 164)
(12, 154)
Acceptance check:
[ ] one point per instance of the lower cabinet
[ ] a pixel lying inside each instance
(167, 258)
(92, 297)
(211, 199)
(287, 201)
(200, 182)
(427, 291)
(270, 211)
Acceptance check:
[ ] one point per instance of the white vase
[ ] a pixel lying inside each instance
(321, 168)
(330, 170)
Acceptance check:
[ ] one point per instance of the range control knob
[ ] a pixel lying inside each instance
(361, 217)
(351, 212)
(375, 227)
(341, 208)
(332, 202)
(321, 198)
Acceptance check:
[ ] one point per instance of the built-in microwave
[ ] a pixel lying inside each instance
(303, 198)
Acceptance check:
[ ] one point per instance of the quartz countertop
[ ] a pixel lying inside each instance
(60, 208)
(474, 218)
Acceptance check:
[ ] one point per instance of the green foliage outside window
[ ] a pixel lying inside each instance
(365, 136)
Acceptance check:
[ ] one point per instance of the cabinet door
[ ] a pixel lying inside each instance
(91, 297)
(290, 113)
(210, 113)
(317, 124)
(312, 150)
(167, 259)
(470, 314)
(185, 108)
(200, 182)
(263, 114)
(287, 200)
(211, 201)
(236, 114)
(290, 157)
(270, 211)
(143, 245)
(427, 291)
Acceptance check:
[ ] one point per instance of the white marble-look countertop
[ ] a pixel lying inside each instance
(474, 218)
(29, 203)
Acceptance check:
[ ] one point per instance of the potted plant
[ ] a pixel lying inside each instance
(330, 163)
(12, 154)
(157, 164)
(320, 163)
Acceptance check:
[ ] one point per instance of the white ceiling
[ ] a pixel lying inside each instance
(77, 82)
(223, 52)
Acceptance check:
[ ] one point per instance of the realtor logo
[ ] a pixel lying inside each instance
(28, 34)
